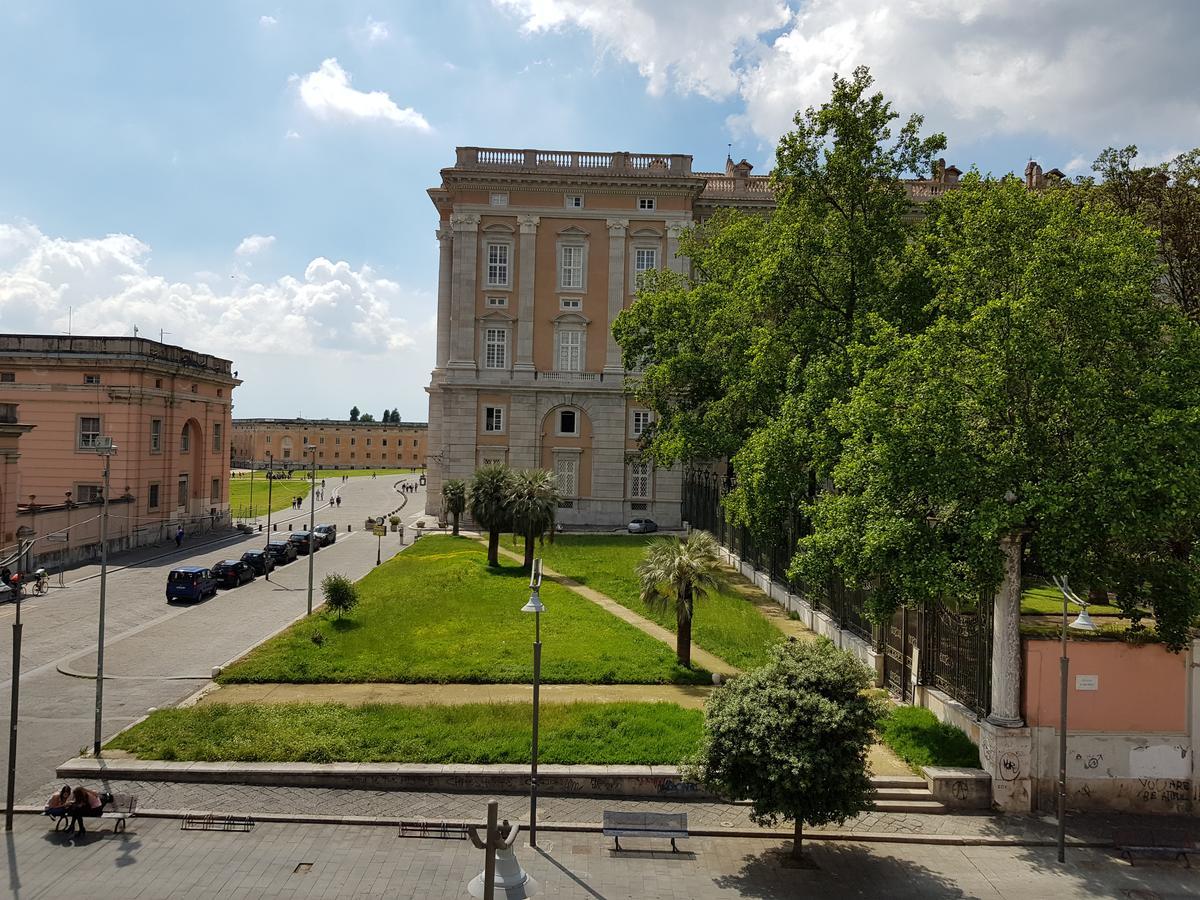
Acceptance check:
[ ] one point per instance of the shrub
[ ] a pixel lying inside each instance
(918, 738)
(341, 594)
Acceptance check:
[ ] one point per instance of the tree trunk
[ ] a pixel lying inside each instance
(529, 541)
(493, 548)
(798, 840)
(683, 628)
(455, 517)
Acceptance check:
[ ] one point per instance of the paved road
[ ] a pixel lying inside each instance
(157, 653)
(155, 859)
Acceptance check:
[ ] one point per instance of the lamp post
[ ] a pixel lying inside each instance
(107, 449)
(535, 606)
(1083, 622)
(312, 519)
(18, 590)
(270, 484)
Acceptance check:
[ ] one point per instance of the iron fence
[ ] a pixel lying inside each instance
(953, 646)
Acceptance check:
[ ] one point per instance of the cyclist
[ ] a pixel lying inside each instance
(41, 582)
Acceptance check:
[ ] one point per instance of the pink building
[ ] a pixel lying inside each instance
(167, 411)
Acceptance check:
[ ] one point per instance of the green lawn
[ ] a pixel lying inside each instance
(1047, 600)
(569, 733)
(284, 489)
(437, 613)
(918, 738)
(728, 625)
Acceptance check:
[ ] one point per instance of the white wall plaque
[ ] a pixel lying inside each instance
(1087, 682)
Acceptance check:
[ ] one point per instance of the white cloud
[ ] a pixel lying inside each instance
(328, 95)
(292, 135)
(375, 32)
(1093, 71)
(267, 21)
(111, 287)
(255, 243)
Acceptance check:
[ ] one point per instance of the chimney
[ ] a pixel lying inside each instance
(1033, 175)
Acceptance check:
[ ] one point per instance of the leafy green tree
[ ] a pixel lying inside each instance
(792, 738)
(454, 499)
(341, 594)
(1166, 198)
(366, 417)
(746, 361)
(1052, 394)
(674, 572)
(395, 416)
(487, 498)
(533, 504)
(354, 413)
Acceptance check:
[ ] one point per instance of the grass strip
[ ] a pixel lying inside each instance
(284, 490)
(918, 737)
(728, 625)
(569, 733)
(438, 613)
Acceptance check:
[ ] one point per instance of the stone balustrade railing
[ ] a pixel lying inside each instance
(648, 164)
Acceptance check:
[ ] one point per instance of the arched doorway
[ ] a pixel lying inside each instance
(190, 484)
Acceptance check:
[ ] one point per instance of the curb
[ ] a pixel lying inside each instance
(877, 837)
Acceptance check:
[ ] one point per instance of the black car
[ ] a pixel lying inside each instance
(327, 534)
(303, 542)
(231, 573)
(282, 552)
(259, 560)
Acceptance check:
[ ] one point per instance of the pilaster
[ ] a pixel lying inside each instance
(675, 262)
(445, 236)
(617, 229)
(524, 360)
(462, 290)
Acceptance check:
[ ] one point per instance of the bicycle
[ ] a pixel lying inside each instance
(41, 583)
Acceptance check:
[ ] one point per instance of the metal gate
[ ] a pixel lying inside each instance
(903, 633)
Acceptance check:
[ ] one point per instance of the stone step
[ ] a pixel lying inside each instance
(903, 794)
(898, 781)
(910, 806)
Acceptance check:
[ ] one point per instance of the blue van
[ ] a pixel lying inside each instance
(190, 583)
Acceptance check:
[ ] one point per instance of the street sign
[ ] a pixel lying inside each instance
(379, 530)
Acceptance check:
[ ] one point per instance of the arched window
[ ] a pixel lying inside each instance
(185, 440)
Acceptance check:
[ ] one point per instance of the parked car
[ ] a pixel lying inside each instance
(260, 561)
(231, 573)
(282, 552)
(642, 526)
(190, 583)
(327, 534)
(304, 542)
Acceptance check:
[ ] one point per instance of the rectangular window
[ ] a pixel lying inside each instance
(287, 452)
(183, 490)
(570, 269)
(570, 303)
(8, 376)
(185, 440)
(368, 456)
(644, 259)
(414, 442)
(217, 438)
(568, 422)
(152, 497)
(352, 456)
(158, 382)
(570, 351)
(493, 419)
(268, 439)
(88, 493)
(384, 442)
(497, 265)
(321, 440)
(214, 494)
(574, 201)
(495, 344)
(89, 431)
(368, 442)
(641, 418)
(156, 435)
(498, 198)
(337, 440)
(565, 471)
(353, 441)
(497, 302)
(337, 456)
(639, 480)
(91, 379)
(646, 203)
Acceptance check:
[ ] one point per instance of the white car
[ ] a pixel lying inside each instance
(642, 526)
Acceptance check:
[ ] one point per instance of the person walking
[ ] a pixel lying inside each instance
(339, 501)
(179, 536)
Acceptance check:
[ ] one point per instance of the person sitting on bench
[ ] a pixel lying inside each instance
(84, 803)
(57, 805)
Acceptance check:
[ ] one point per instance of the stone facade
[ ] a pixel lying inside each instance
(340, 443)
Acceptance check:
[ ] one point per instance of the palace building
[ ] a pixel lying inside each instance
(340, 443)
(540, 251)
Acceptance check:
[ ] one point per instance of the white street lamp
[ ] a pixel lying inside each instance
(312, 520)
(1083, 622)
(535, 606)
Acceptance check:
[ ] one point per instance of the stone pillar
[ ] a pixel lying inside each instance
(462, 290)
(674, 262)
(1006, 639)
(445, 236)
(524, 360)
(617, 229)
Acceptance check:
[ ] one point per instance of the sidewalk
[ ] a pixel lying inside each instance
(155, 859)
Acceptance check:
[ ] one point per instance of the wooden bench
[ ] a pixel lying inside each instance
(634, 824)
(1173, 843)
(117, 811)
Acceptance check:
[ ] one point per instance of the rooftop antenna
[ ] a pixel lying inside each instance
(70, 315)
(161, 333)
(135, 331)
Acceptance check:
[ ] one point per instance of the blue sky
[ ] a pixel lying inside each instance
(147, 142)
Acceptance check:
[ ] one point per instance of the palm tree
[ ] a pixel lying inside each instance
(673, 572)
(488, 500)
(533, 502)
(454, 498)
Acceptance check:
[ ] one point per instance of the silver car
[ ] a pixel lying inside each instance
(642, 526)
